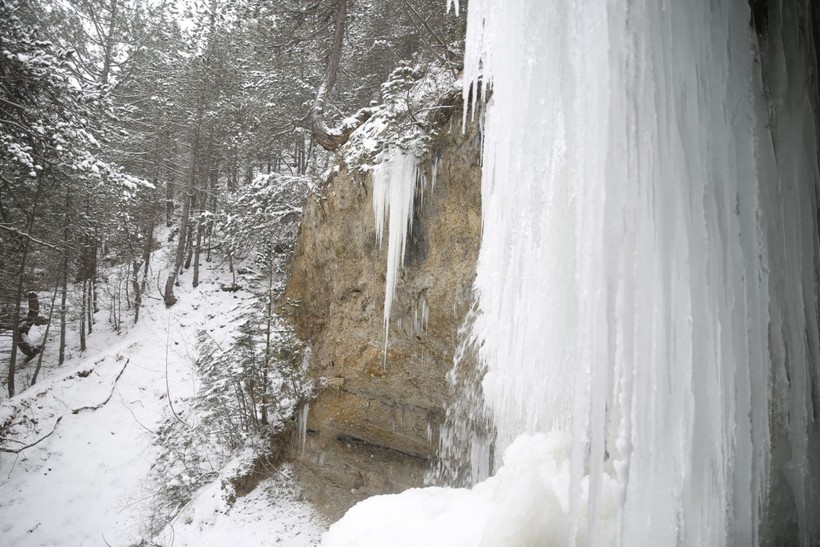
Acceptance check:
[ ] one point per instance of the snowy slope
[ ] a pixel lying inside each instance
(270, 515)
(87, 483)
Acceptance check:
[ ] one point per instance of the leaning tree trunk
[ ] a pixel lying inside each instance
(146, 252)
(170, 298)
(20, 286)
(332, 138)
(45, 334)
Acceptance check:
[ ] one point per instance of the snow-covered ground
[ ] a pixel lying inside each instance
(87, 481)
(526, 502)
(270, 515)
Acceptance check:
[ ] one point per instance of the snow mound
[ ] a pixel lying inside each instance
(525, 503)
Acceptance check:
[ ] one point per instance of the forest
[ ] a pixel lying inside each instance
(119, 116)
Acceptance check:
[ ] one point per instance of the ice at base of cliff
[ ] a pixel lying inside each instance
(524, 503)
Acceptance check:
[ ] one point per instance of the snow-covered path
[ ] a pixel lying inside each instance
(84, 481)
(88, 482)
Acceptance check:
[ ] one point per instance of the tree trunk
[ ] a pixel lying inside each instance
(94, 276)
(146, 251)
(169, 204)
(15, 335)
(268, 339)
(45, 335)
(204, 204)
(64, 278)
(170, 298)
(63, 298)
(233, 170)
(190, 235)
(249, 174)
(135, 286)
(108, 56)
(197, 247)
(91, 307)
(333, 138)
(83, 307)
(214, 205)
(309, 153)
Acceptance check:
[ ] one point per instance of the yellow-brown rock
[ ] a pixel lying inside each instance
(373, 427)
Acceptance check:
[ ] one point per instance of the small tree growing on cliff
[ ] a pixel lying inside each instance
(259, 224)
(252, 385)
(256, 379)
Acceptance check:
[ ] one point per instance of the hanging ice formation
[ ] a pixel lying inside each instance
(394, 190)
(648, 273)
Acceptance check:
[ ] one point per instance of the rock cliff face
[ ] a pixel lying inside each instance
(374, 425)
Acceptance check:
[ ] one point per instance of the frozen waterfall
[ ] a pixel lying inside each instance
(648, 271)
(647, 281)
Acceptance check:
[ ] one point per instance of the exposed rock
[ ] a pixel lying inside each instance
(374, 426)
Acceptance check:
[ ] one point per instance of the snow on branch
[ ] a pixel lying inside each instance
(27, 236)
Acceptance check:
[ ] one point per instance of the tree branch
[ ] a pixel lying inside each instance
(111, 394)
(429, 29)
(30, 238)
(38, 441)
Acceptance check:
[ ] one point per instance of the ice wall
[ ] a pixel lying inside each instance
(647, 279)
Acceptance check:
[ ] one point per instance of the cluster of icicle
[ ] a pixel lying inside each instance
(647, 278)
(394, 190)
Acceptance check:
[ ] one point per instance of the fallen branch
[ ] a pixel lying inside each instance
(7, 439)
(167, 385)
(154, 433)
(113, 387)
(38, 441)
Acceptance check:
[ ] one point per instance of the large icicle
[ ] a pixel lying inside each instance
(394, 189)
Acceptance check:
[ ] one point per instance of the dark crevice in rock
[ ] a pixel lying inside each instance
(362, 443)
